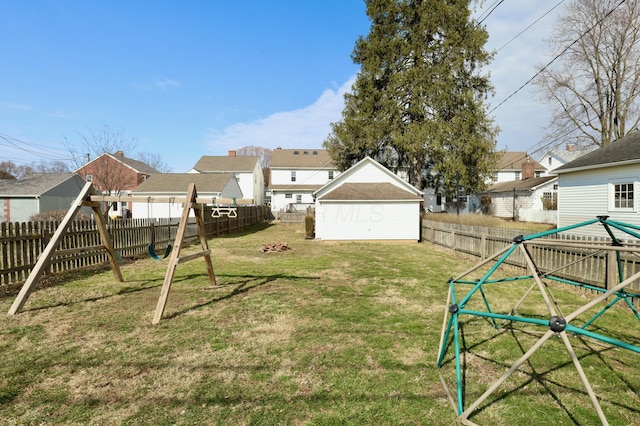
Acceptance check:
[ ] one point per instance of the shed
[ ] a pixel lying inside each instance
(368, 202)
(41, 192)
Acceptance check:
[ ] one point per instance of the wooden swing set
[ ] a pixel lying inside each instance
(89, 198)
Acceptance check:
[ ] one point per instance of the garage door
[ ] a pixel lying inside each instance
(369, 221)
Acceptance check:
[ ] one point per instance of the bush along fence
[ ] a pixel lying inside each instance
(22, 243)
(579, 264)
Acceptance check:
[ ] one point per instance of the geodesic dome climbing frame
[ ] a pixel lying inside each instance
(618, 284)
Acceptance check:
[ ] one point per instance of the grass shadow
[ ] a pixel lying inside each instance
(243, 284)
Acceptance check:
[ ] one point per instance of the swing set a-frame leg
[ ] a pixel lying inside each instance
(174, 259)
(44, 259)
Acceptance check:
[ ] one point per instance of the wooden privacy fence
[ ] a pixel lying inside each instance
(22, 243)
(583, 265)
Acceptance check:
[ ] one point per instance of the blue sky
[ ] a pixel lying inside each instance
(192, 78)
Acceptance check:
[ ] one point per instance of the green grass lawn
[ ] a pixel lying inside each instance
(325, 334)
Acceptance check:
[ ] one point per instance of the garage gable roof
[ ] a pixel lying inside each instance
(369, 192)
(370, 177)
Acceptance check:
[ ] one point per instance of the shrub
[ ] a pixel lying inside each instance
(56, 215)
(309, 226)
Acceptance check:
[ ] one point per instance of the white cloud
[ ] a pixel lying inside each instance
(15, 107)
(307, 127)
(165, 83)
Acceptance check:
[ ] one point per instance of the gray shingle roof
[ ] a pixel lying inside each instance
(520, 185)
(626, 149)
(139, 166)
(219, 163)
(301, 158)
(32, 185)
(370, 191)
(178, 183)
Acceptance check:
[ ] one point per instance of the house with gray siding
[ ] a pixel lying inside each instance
(604, 182)
(37, 193)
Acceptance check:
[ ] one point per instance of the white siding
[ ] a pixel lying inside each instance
(585, 195)
(279, 200)
(303, 176)
(368, 221)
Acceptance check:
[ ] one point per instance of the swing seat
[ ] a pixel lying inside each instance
(152, 252)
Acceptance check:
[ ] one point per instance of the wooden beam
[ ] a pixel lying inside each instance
(167, 199)
(45, 257)
(188, 204)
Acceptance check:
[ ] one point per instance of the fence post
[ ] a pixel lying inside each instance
(612, 269)
(483, 246)
(453, 239)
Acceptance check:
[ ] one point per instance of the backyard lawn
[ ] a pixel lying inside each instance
(324, 333)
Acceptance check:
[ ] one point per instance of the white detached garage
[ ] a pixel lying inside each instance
(368, 202)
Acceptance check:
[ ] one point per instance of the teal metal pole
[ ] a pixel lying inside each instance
(487, 275)
(556, 231)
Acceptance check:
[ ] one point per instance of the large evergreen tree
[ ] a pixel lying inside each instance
(417, 104)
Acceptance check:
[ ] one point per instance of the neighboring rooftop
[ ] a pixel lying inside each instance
(624, 150)
(224, 163)
(520, 185)
(173, 183)
(33, 185)
(301, 158)
(512, 161)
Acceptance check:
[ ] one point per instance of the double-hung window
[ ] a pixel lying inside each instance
(622, 195)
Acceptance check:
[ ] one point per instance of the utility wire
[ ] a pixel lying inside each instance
(557, 56)
(530, 25)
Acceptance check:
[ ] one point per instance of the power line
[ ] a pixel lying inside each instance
(557, 56)
(529, 26)
(42, 151)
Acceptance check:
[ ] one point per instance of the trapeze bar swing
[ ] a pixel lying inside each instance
(616, 288)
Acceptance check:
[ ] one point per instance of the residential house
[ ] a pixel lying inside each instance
(117, 175)
(556, 157)
(247, 170)
(295, 175)
(511, 165)
(604, 182)
(528, 200)
(41, 192)
(368, 202)
(208, 185)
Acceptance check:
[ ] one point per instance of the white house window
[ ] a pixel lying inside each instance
(549, 161)
(288, 195)
(517, 176)
(293, 176)
(623, 196)
(298, 198)
(494, 177)
(89, 178)
(538, 173)
(330, 174)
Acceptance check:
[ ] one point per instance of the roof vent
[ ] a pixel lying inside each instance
(306, 152)
(296, 152)
(315, 152)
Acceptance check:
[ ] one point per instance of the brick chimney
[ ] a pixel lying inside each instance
(528, 169)
(232, 153)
